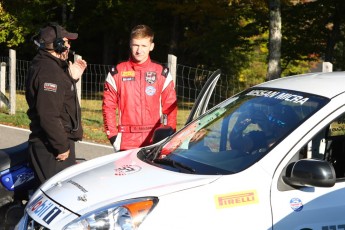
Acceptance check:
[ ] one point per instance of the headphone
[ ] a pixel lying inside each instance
(58, 43)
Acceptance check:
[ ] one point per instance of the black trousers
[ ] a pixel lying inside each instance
(42, 160)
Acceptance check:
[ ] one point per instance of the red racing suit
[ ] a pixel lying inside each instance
(145, 98)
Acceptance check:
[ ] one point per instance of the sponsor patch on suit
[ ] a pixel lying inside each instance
(150, 90)
(150, 77)
(128, 79)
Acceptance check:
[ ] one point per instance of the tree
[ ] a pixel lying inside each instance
(11, 33)
(313, 31)
(24, 18)
(226, 34)
(275, 36)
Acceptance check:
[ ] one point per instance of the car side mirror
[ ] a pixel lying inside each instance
(162, 133)
(310, 172)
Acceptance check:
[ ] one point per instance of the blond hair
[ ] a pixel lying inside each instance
(142, 31)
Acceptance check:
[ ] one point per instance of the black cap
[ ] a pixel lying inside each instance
(48, 34)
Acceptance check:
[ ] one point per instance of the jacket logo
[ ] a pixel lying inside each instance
(150, 90)
(127, 73)
(128, 79)
(50, 87)
(150, 77)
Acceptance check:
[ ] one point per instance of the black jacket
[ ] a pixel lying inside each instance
(54, 109)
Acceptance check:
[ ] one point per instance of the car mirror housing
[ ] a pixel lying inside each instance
(162, 133)
(310, 172)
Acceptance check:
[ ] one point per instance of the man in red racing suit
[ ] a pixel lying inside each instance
(143, 94)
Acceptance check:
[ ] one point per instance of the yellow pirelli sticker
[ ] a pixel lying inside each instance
(127, 73)
(231, 200)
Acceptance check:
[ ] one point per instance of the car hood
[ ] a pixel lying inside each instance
(124, 178)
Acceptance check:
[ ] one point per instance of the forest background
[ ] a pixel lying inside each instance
(236, 36)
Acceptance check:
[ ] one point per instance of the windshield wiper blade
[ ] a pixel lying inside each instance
(175, 164)
(151, 153)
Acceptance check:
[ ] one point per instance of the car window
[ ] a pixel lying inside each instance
(329, 145)
(240, 131)
(335, 146)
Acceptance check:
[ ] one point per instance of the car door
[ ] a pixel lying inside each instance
(201, 104)
(308, 207)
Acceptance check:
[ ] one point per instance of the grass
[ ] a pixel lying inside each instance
(92, 119)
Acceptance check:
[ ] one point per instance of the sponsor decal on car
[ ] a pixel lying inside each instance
(231, 200)
(44, 209)
(77, 185)
(296, 204)
(23, 178)
(126, 170)
(279, 95)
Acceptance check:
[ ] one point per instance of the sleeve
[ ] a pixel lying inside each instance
(49, 104)
(109, 106)
(169, 101)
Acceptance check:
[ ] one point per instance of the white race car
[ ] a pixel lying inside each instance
(270, 157)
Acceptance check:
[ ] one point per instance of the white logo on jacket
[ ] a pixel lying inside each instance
(50, 87)
(150, 90)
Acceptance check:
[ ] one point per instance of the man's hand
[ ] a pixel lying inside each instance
(62, 156)
(77, 68)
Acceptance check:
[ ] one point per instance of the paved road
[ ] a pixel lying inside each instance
(11, 136)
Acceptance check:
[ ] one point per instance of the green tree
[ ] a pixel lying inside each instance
(23, 18)
(312, 31)
(105, 26)
(11, 33)
(226, 34)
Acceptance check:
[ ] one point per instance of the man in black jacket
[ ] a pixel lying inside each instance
(54, 108)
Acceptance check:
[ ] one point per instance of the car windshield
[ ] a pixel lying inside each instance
(240, 131)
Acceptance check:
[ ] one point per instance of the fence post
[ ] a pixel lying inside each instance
(327, 67)
(172, 65)
(12, 81)
(76, 57)
(2, 82)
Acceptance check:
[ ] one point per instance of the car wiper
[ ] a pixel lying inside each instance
(175, 164)
(152, 153)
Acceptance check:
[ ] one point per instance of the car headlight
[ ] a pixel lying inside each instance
(124, 215)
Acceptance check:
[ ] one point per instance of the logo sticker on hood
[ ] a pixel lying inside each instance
(236, 199)
(77, 185)
(44, 209)
(126, 170)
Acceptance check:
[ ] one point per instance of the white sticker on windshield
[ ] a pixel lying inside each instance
(279, 95)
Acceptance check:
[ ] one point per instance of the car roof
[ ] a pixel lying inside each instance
(327, 84)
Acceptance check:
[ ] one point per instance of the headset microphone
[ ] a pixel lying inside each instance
(71, 52)
(37, 43)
